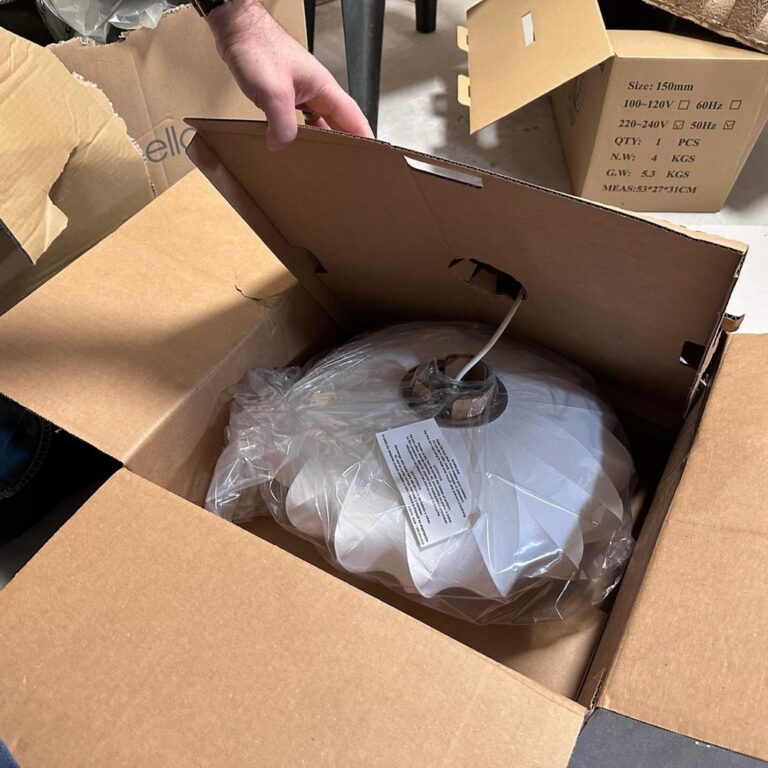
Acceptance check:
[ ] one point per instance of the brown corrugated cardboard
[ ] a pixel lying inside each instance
(180, 296)
(64, 188)
(247, 183)
(649, 120)
(196, 648)
(414, 224)
(156, 77)
(669, 668)
(743, 20)
(180, 321)
(227, 622)
(644, 548)
(554, 654)
(68, 189)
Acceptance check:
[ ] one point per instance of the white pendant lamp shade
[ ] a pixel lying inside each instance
(548, 478)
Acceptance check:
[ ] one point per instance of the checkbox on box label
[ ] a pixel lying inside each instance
(729, 125)
(678, 125)
(735, 104)
(684, 104)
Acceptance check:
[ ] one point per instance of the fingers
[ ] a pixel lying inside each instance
(329, 107)
(279, 107)
(339, 110)
(310, 118)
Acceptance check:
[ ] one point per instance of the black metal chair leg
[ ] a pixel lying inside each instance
(309, 15)
(426, 15)
(363, 37)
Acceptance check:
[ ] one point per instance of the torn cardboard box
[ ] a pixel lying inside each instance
(172, 622)
(155, 77)
(649, 121)
(93, 172)
(70, 173)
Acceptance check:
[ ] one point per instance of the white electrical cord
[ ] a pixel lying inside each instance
(492, 341)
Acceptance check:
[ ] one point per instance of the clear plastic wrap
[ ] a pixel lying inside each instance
(93, 18)
(548, 473)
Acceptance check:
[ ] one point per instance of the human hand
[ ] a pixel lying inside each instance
(279, 75)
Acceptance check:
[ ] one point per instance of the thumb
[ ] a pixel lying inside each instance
(279, 105)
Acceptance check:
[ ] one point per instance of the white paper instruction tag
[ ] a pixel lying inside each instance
(435, 491)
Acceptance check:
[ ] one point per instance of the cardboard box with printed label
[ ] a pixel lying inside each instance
(208, 644)
(649, 120)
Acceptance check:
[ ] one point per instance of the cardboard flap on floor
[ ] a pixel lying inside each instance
(133, 343)
(198, 634)
(80, 177)
(522, 49)
(691, 656)
(375, 229)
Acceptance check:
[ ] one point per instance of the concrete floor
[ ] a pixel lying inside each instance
(419, 110)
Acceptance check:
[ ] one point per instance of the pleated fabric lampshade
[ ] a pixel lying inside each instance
(548, 475)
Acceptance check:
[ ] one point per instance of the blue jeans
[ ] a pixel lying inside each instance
(24, 442)
(6, 758)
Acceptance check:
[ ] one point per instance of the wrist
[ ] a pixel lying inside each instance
(234, 19)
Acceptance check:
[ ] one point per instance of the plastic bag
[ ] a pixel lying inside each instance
(549, 476)
(93, 18)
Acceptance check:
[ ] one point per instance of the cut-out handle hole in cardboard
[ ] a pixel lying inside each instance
(487, 278)
(444, 173)
(529, 34)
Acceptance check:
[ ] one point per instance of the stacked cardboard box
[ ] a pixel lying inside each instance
(649, 120)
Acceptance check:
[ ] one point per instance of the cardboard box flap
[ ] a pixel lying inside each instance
(57, 137)
(691, 658)
(211, 647)
(743, 20)
(350, 216)
(144, 332)
(519, 51)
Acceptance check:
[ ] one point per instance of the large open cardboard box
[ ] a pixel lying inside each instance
(148, 631)
(649, 120)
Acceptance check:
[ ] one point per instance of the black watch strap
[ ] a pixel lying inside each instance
(204, 7)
